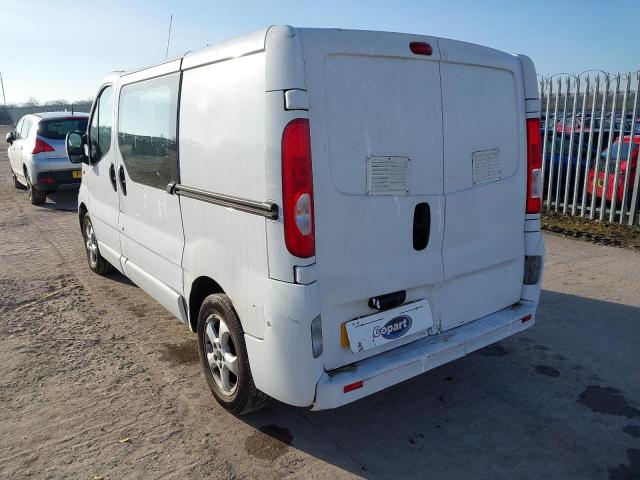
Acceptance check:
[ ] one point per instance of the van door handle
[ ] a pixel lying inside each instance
(112, 177)
(123, 183)
(421, 226)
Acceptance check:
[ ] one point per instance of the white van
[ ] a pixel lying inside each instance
(332, 211)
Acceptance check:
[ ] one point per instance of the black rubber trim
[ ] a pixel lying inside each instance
(264, 209)
(388, 300)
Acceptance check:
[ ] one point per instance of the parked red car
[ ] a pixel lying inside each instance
(616, 185)
(568, 124)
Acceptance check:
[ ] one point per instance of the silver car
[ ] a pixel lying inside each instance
(37, 153)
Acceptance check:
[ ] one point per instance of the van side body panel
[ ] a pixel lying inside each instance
(282, 363)
(284, 71)
(284, 65)
(222, 145)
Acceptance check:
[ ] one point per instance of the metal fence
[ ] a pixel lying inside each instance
(591, 134)
(11, 114)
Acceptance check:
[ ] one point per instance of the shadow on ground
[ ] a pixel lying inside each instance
(116, 276)
(64, 199)
(557, 401)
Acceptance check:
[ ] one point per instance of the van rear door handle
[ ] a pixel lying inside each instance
(123, 183)
(421, 226)
(112, 177)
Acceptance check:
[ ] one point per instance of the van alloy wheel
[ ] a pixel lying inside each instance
(91, 244)
(96, 262)
(221, 354)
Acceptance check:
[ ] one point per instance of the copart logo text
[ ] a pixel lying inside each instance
(394, 328)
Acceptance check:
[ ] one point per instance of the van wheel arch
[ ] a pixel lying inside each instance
(201, 288)
(82, 211)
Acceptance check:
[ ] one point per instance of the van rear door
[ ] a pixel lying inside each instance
(376, 136)
(484, 181)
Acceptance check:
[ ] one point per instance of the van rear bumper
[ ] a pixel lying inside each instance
(402, 363)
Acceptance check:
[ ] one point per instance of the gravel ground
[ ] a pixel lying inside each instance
(98, 381)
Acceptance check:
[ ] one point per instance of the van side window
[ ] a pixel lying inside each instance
(101, 126)
(147, 130)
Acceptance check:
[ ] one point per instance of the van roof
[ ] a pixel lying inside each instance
(237, 47)
(223, 50)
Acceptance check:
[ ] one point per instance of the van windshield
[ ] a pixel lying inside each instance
(57, 129)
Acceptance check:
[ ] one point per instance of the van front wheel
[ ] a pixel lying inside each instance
(224, 359)
(97, 263)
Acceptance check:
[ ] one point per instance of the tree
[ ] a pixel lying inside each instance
(32, 102)
(59, 102)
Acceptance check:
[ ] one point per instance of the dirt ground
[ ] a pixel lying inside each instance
(98, 381)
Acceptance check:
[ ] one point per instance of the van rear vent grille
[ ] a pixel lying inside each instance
(486, 166)
(388, 175)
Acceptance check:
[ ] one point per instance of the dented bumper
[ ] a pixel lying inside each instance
(392, 367)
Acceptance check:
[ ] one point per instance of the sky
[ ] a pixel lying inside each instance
(60, 49)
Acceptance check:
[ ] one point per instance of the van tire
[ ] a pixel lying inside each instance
(96, 262)
(245, 398)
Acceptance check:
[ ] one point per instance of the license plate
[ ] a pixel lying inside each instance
(76, 174)
(384, 327)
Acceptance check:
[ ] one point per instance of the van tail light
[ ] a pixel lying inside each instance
(534, 166)
(297, 189)
(41, 146)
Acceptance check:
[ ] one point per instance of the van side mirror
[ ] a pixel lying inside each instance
(10, 138)
(74, 145)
